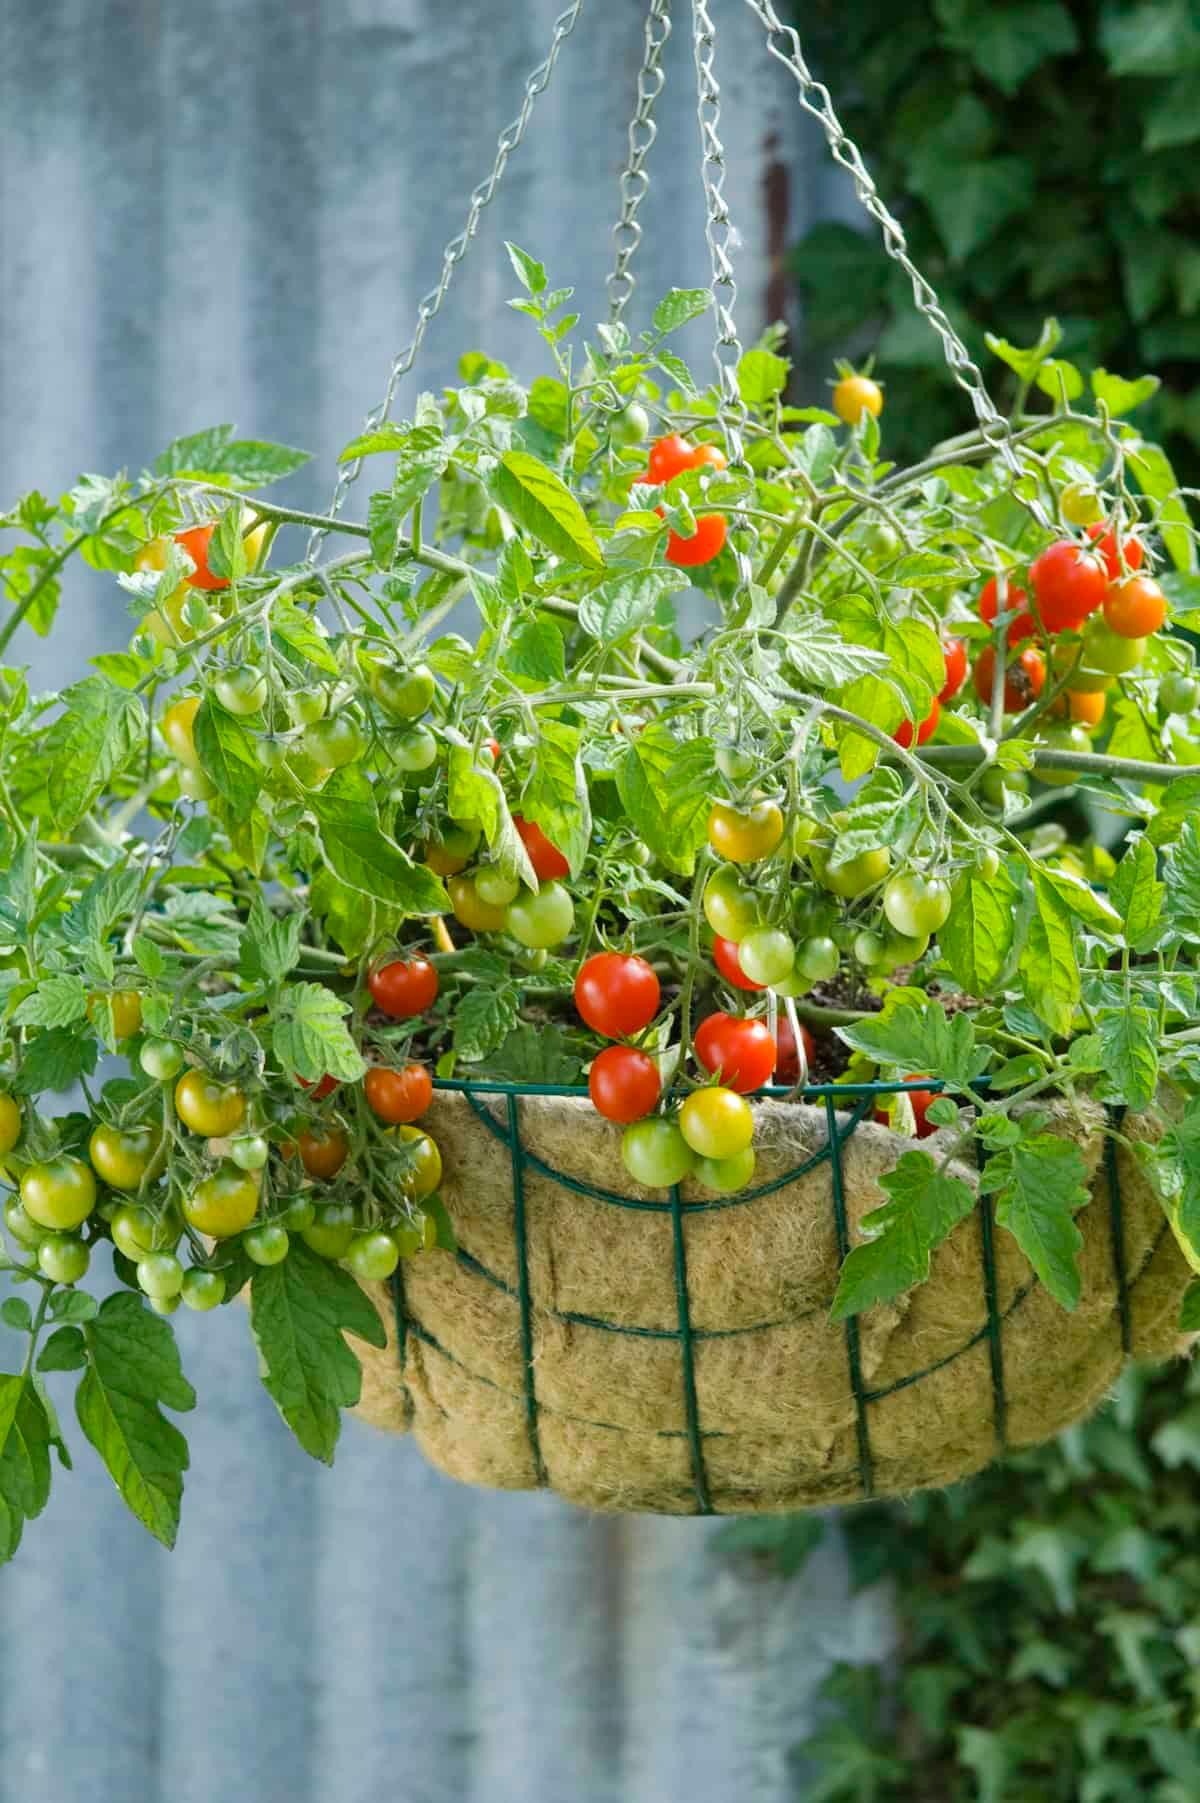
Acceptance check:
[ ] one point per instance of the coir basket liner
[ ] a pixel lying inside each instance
(673, 1351)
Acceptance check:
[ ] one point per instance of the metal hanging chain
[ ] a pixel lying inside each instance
(815, 99)
(719, 233)
(452, 255)
(627, 233)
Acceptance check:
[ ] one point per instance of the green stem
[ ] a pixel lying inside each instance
(1086, 763)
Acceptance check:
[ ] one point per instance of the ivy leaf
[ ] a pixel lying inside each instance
(300, 1312)
(24, 1460)
(924, 1206)
(226, 751)
(666, 789)
(623, 605)
(1137, 895)
(133, 1368)
(311, 1038)
(556, 796)
(483, 1018)
(1039, 1183)
(919, 1037)
(1129, 1038)
(361, 856)
(1007, 47)
(99, 731)
(58, 1001)
(678, 306)
(977, 938)
(541, 502)
(270, 944)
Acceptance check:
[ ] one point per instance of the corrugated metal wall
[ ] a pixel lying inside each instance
(228, 210)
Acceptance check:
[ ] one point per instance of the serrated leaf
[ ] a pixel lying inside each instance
(58, 1001)
(920, 1038)
(482, 1019)
(1137, 894)
(924, 1206)
(298, 632)
(821, 657)
(1181, 871)
(529, 272)
(386, 436)
(556, 796)
(677, 370)
(1049, 965)
(541, 502)
(310, 1036)
(270, 944)
(623, 605)
(665, 786)
(55, 1059)
(535, 1054)
(536, 652)
(133, 1368)
(1039, 1184)
(24, 1460)
(300, 1313)
(228, 758)
(216, 452)
(361, 855)
(98, 733)
(1084, 902)
(1129, 1039)
(226, 547)
(678, 306)
(977, 939)
(1152, 471)
(761, 375)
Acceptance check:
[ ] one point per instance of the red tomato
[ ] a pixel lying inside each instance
(548, 862)
(624, 1084)
(705, 543)
(616, 995)
(725, 957)
(1024, 682)
(1069, 584)
(1015, 601)
(398, 1096)
(954, 652)
(903, 734)
(324, 1088)
(1136, 607)
(710, 454)
(920, 1099)
(669, 457)
(787, 1066)
(740, 1052)
(195, 542)
(1105, 540)
(403, 987)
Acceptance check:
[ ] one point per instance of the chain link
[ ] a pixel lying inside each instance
(452, 255)
(815, 99)
(627, 233)
(719, 234)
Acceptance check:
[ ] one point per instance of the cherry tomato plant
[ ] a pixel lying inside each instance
(920, 795)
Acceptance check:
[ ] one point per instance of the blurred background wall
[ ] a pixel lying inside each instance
(228, 210)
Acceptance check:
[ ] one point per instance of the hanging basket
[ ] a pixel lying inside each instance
(672, 1351)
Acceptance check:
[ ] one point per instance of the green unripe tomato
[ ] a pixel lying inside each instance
(332, 1231)
(60, 1194)
(916, 904)
(194, 784)
(630, 426)
(299, 1214)
(373, 1256)
(63, 1258)
(1060, 738)
(267, 1245)
(306, 706)
(137, 1233)
(804, 831)
(730, 903)
(655, 1153)
(766, 955)
(902, 948)
(164, 1305)
(725, 1175)
(333, 742)
(250, 1153)
(161, 1059)
(160, 1274)
(869, 948)
(543, 920)
(24, 1229)
(855, 877)
(1107, 651)
(1177, 693)
(987, 862)
(1080, 504)
(272, 753)
(735, 765)
(202, 1290)
(414, 750)
(817, 959)
(409, 1237)
(994, 782)
(403, 692)
(495, 887)
(241, 689)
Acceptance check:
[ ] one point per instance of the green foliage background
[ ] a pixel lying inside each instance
(1050, 1622)
(1044, 158)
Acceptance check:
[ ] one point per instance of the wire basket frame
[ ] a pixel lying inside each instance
(845, 1107)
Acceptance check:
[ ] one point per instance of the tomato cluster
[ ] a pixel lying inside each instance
(669, 457)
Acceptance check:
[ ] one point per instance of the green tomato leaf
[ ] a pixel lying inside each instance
(311, 1038)
(666, 789)
(65, 1350)
(529, 272)
(1129, 1039)
(924, 1206)
(99, 731)
(1189, 1312)
(536, 652)
(1039, 1184)
(55, 1059)
(977, 939)
(1137, 894)
(56, 1002)
(1049, 966)
(24, 1460)
(133, 1372)
(918, 1037)
(270, 943)
(483, 1019)
(541, 502)
(360, 854)
(624, 604)
(300, 1312)
(251, 462)
(1181, 872)
(227, 756)
(678, 306)
(1026, 362)
(1119, 395)
(1152, 471)
(761, 375)
(556, 796)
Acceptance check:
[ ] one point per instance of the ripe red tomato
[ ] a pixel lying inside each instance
(323, 1150)
(1016, 601)
(787, 1064)
(740, 1052)
(725, 957)
(195, 541)
(954, 653)
(903, 734)
(1136, 607)
(1069, 584)
(705, 543)
(324, 1088)
(548, 862)
(920, 1099)
(711, 454)
(624, 1084)
(617, 995)
(669, 456)
(403, 987)
(1024, 682)
(398, 1097)
(1105, 540)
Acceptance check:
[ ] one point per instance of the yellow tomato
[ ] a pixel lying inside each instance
(176, 727)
